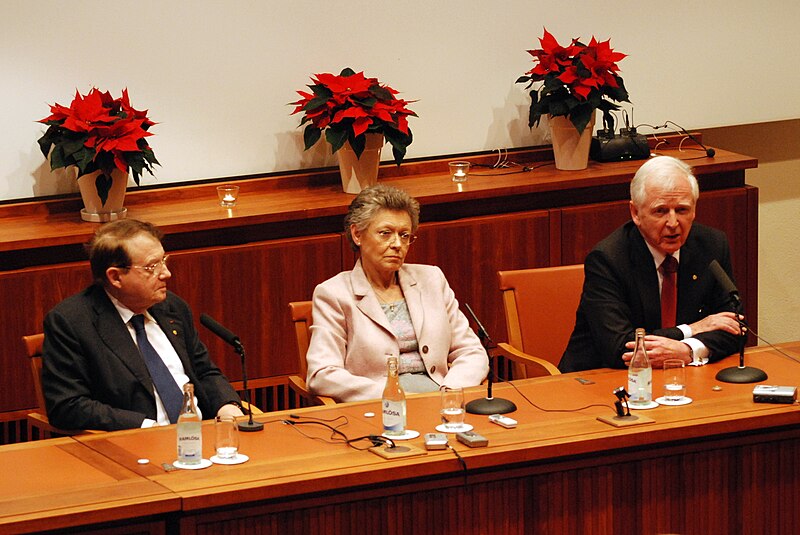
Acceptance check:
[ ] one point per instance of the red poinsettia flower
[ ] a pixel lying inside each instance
(350, 105)
(576, 80)
(552, 57)
(99, 132)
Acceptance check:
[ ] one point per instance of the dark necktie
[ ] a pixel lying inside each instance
(669, 292)
(165, 384)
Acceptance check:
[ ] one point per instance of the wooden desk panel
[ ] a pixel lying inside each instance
(60, 483)
(557, 472)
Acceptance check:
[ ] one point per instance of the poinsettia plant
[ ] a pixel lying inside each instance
(575, 80)
(348, 107)
(99, 132)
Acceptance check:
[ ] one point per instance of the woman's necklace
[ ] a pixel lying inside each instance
(381, 294)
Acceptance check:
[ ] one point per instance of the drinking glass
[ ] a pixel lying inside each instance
(226, 433)
(459, 171)
(452, 408)
(674, 380)
(227, 194)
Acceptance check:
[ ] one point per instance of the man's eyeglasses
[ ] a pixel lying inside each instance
(388, 236)
(155, 268)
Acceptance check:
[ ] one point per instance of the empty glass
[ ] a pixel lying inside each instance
(226, 433)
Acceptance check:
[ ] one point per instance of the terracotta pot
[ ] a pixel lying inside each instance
(570, 149)
(359, 173)
(94, 210)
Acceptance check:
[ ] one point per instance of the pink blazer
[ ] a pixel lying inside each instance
(350, 335)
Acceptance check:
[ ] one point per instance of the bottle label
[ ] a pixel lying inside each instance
(190, 442)
(394, 416)
(640, 385)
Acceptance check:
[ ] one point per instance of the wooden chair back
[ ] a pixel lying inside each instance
(540, 306)
(38, 417)
(301, 319)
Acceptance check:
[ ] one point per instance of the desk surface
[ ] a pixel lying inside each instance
(95, 479)
(285, 463)
(58, 483)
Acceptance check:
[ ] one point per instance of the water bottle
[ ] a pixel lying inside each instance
(190, 432)
(393, 401)
(640, 374)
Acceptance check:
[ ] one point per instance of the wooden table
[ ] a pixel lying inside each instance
(722, 464)
(61, 483)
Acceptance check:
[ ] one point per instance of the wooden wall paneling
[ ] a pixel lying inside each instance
(471, 251)
(248, 288)
(583, 226)
(25, 298)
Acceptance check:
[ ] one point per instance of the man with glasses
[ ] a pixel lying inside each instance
(117, 354)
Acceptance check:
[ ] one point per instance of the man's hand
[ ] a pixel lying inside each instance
(659, 349)
(721, 321)
(230, 410)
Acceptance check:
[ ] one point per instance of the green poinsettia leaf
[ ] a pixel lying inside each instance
(358, 143)
(347, 71)
(336, 137)
(581, 116)
(103, 184)
(315, 103)
(381, 92)
(366, 102)
(399, 142)
(311, 135)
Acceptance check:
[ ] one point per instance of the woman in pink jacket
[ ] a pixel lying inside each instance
(383, 308)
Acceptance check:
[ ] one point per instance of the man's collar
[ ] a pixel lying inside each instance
(658, 256)
(124, 312)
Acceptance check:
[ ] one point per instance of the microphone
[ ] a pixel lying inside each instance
(215, 327)
(725, 282)
(741, 373)
(709, 151)
(489, 404)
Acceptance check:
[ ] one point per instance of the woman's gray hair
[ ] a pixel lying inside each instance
(373, 199)
(665, 171)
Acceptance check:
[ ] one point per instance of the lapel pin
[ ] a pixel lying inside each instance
(694, 277)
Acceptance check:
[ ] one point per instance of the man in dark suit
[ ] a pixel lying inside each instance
(624, 278)
(117, 355)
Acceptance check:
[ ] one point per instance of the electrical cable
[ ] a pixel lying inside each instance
(554, 410)
(337, 436)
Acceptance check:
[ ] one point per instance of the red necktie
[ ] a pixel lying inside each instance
(669, 292)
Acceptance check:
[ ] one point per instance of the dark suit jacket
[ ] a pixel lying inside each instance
(620, 293)
(93, 375)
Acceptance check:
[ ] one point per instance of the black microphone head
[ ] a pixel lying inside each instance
(710, 152)
(722, 278)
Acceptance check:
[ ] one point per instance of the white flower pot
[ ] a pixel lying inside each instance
(359, 173)
(94, 210)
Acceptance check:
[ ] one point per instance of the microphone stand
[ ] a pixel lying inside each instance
(249, 426)
(489, 404)
(740, 373)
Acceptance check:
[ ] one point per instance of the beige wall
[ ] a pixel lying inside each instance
(777, 147)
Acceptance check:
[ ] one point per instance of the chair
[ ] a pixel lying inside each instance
(540, 307)
(301, 317)
(38, 418)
